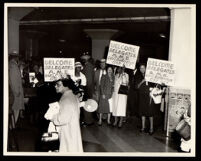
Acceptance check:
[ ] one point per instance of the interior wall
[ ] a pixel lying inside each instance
(181, 51)
(13, 35)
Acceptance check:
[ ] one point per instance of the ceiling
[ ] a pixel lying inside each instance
(52, 23)
(58, 13)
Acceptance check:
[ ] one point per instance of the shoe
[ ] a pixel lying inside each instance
(109, 123)
(120, 125)
(114, 125)
(142, 130)
(99, 123)
(151, 132)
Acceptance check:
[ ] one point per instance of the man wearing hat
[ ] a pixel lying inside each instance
(15, 82)
(88, 71)
(97, 78)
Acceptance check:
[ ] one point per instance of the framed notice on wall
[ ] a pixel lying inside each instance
(178, 102)
(120, 54)
(56, 68)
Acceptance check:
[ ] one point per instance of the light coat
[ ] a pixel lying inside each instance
(15, 82)
(68, 121)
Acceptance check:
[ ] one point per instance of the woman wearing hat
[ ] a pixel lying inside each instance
(79, 78)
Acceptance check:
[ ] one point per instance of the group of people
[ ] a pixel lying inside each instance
(108, 85)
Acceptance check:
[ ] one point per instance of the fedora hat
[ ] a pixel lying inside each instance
(102, 60)
(85, 56)
(14, 53)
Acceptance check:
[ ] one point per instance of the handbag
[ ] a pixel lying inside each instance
(184, 130)
(156, 94)
(123, 90)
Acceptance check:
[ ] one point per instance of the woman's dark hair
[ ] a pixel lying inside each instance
(68, 82)
(109, 66)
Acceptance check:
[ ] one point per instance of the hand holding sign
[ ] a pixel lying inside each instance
(160, 71)
(120, 54)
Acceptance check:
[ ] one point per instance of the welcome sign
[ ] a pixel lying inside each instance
(55, 68)
(160, 71)
(120, 54)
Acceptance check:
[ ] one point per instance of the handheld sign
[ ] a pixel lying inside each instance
(120, 54)
(31, 77)
(56, 68)
(160, 71)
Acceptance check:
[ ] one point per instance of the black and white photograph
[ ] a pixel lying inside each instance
(99, 79)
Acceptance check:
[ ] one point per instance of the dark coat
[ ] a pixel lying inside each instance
(146, 104)
(106, 88)
(88, 71)
(15, 82)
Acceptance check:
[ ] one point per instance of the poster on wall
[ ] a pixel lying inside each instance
(179, 100)
(55, 68)
(160, 71)
(120, 54)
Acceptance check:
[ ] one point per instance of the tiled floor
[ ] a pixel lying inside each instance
(101, 138)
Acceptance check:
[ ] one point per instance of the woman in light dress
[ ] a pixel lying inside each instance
(119, 101)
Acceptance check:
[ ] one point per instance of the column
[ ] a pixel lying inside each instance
(13, 35)
(100, 39)
(182, 46)
(14, 16)
(182, 54)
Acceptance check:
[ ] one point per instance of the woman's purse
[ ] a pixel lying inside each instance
(123, 90)
(156, 94)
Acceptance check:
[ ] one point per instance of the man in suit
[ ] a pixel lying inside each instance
(87, 118)
(97, 77)
(15, 82)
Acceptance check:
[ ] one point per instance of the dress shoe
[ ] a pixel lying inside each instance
(114, 124)
(151, 132)
(120, 125)
(99, 123)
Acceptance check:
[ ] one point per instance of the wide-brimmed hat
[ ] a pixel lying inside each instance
(85, 56)
(102, 61)
(78, 64)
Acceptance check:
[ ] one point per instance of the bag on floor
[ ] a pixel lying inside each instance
(184, 130)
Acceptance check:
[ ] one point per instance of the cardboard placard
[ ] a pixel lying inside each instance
(160, 71)
(56, 68)
(120, 54)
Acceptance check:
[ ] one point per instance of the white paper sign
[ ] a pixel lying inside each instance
(32, 77)
(160, 71)
(120, 54)
(56, 68)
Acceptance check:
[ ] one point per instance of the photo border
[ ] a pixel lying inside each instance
(130, 154)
